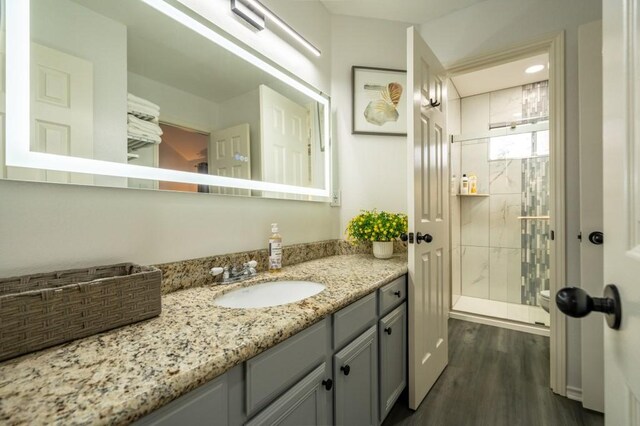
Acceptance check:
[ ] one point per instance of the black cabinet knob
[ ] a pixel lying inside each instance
(596, 238)
(388, 330)
(398, 293)
(345, 369)
(328, 384)
(575, 302)
(426, 238)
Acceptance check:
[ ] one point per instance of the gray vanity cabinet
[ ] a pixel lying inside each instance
(355, 371)
(206, 405)
(306, 403)
(392, 332)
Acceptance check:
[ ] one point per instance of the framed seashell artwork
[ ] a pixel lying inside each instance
(379, 103)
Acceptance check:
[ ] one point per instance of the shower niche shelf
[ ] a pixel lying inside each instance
(472, 195)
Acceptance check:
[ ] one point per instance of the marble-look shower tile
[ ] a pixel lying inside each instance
(504, 225)
(474, 221)
(454, 209)
(505, 177)
(474, 113)
(475, 271)
(475, 160)
(456, 283)
(506, 105)
(504, 273)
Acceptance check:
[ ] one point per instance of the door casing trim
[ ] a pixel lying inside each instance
(553, 44)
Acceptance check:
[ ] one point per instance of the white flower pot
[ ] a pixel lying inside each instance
(383, 249)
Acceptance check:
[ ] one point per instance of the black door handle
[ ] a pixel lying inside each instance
(407, 237)
(328, 384)
(426, 238)
(577, 303)
(596, 237)
(345, 369)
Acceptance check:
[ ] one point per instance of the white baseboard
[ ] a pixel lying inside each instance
(496, 322)
(574, 393)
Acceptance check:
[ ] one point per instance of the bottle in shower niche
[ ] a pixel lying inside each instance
(275, 249)
(473, 184)
(464, 185)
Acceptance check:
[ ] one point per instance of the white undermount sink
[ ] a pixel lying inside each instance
(269, 294)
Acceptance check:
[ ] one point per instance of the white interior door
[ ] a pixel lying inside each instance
(591, 254)
(230, 156)
(428, 151)
(61, 112)
(285, 139)
(621, 173)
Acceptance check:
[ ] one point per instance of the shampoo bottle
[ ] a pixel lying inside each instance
(275, 249)
(473, 184)
(464, 185)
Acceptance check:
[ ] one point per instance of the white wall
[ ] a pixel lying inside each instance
(47, 226)
(494, 24)
(372, 169)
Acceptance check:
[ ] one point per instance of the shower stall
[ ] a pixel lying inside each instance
(500, 234)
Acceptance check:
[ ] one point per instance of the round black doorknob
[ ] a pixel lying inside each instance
(404, 237)
(388, 330)
(345, 369)
(328, 384)
(577, 303)
(398, 293)
(426, 238)
(596, 238)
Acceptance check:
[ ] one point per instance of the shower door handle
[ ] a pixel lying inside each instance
(576, 303)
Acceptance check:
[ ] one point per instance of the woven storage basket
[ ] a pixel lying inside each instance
(42, 310)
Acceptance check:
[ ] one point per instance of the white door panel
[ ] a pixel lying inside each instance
(230, 156)
(428, 214)
(61, 112)
(621, 183)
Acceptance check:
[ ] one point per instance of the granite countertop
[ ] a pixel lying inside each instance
(119, 376)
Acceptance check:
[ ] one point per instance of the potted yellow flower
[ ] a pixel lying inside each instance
(381, 228)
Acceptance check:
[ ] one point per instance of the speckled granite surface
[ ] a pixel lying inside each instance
(121, 375)
(195, 272)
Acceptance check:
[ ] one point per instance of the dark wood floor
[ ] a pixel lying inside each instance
(495, 377)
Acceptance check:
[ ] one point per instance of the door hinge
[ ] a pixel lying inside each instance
(580, 236)
(553, 235)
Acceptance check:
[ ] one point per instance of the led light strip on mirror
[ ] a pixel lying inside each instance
(18, 128)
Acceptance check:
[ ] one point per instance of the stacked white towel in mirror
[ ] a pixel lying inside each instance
(142, 120)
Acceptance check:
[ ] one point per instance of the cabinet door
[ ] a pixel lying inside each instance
(206, 405)
(355, 369)
(393, 358)
(306, 403)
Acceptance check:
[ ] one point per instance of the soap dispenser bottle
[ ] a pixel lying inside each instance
(275, 249)
(464, 185)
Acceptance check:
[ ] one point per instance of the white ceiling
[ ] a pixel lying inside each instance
(411, 11)
(502, 76)
(163, 50)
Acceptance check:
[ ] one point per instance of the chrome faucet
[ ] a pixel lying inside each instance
(235, 274)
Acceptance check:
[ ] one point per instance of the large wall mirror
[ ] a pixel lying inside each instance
(141, 94)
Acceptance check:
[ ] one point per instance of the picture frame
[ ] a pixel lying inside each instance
(379, 104)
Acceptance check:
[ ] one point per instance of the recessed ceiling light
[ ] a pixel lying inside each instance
(534, 69)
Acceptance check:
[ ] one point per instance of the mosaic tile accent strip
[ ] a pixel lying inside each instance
(535, 100)
(535, 232)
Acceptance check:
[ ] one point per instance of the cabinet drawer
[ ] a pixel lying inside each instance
(392, 294)
(349, 322)
(274, 371)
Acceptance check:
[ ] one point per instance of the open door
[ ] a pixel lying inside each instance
(428, 207)
(621, 177)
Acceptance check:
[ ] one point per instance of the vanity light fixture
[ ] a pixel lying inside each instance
(253, 17)
(534, 69)
(255, 13)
